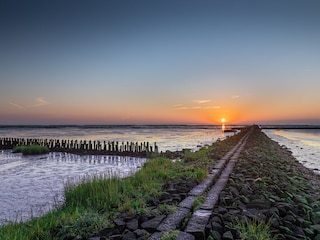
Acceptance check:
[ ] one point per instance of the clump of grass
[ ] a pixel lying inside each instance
(201, 155)
(253, 230)
(31, 149)
(84, 225)
(171, 235)
(197, 203)
(200, 174)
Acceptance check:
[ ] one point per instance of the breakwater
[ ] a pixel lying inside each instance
(135, 149)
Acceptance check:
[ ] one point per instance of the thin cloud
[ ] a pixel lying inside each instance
(202, 101)
(16, 105)
(181, 108)
(235, 96)
(213, 107)
(40, 102)
(177, 105)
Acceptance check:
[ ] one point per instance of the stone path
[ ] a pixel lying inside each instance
(213, 184)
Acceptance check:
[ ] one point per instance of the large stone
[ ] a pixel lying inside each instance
(285, 230)
(166, 201)
(128, 235)
(165, 195)
(275, 222)
(308, 231)
(141, 233)
(227, 235)
(222, 210)
(259, 204)
(215, 235)
(187, 202)
(200, 188)
(120, 224)
(105, 232)
(181, 236)
(216, 227)
(176, 198)
(152, 224)
(155, 236)
(316, 228)
(185, 236)
(316, 217)
(290, 218)
(234, 192)
(298, 231)
(197, 224)
(115, 237)
(182, 189)
(133, 224)
(174, 220)
(143, 218)
(290, 237)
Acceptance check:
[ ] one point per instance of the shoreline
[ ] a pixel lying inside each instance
(303, 145)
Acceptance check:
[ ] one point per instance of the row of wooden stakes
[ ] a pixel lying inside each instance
(84, 147)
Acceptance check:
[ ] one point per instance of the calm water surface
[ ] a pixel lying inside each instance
(167, 137)
(31, 186)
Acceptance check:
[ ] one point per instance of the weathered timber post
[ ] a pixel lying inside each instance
(117, 147)
(122, 147)
(156, 150)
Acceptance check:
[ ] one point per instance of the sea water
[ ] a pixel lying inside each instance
(303, 143)
(33, 185)
(167, 137)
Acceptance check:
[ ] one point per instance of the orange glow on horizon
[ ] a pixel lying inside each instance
(90, 113)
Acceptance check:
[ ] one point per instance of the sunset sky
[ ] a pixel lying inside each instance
(159, 62)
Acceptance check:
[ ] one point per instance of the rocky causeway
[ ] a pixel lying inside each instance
(255, 181)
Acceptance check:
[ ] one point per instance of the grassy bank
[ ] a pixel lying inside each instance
(31, 149)
(92, 204)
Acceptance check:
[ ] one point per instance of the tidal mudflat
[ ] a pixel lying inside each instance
(32, 185)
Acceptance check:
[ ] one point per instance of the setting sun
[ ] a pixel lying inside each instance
(223, 120)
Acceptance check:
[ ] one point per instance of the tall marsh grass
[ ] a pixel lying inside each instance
(31, 150)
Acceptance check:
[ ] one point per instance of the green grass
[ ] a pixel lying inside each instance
(253, 230)
(171, 235)
(31, 150)
(198, 202)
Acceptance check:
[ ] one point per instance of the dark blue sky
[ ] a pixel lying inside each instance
(159, 61)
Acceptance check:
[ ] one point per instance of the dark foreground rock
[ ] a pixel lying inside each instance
(142, 226)
(268, 185)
